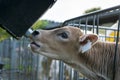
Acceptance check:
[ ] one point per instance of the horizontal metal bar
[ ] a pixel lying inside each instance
(94, 13)
(91, 26)
(104, 36)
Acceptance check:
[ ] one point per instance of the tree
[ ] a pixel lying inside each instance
(92, 10)
(40, 24)
(3, 34)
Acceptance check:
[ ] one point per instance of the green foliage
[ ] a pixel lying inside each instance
(40, 24)
(92, 10)
(29, 69)
(7, 67)
(21, 67)
(7, 63)
(3, 34)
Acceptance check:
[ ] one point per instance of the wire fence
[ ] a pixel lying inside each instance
(19, 62)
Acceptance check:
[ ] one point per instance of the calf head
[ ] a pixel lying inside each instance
(61, 43)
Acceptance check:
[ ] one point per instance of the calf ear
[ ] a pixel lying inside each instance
(86, 42)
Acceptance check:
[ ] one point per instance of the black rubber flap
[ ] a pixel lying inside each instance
(16, 16)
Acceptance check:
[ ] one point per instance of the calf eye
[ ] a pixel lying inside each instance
(63, 35)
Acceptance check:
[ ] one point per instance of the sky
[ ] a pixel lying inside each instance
(66, 9)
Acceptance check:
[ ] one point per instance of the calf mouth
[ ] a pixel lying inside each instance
(35, 44)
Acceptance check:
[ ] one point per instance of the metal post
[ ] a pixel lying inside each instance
(79, 23)
(71, 76)
(61, 70)
(86, 22)
(75, 75)
(94, 18)
(97, 29)
(37, 68)
(116, 48)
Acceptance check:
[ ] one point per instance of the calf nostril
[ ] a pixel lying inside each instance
(35, 33)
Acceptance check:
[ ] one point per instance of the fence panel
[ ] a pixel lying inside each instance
(104, 23)
(19, 62)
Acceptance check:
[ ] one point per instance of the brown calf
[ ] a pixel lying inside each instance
(84, 52)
